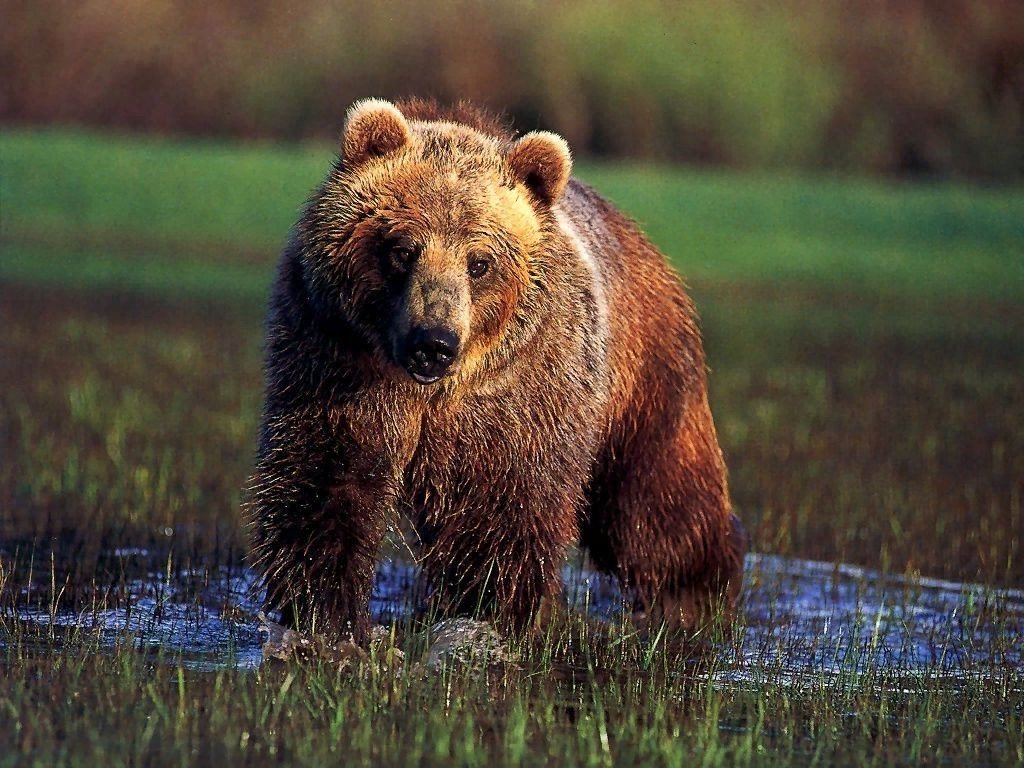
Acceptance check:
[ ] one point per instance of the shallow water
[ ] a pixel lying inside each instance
(801, 621)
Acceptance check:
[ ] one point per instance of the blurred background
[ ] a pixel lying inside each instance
(839, 181)
(870, 86)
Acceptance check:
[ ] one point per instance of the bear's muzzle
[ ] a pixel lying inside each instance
(430, 353)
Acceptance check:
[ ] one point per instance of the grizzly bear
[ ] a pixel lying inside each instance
(462, 334)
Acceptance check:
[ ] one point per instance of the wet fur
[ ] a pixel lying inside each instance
(577, 412)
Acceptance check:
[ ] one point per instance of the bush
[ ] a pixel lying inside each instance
(850, 84)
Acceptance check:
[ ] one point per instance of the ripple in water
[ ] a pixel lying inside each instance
(801, 621)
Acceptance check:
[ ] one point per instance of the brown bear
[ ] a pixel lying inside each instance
(463, 334)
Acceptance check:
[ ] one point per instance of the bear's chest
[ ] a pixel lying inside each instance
(458, 449)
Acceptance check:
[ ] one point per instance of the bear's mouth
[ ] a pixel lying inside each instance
(423, 378)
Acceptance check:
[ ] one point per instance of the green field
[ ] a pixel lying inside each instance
(213, 205)
(866, 341)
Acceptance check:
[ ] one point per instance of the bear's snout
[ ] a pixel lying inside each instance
(430, 352)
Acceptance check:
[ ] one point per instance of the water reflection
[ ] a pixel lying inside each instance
(801, 620)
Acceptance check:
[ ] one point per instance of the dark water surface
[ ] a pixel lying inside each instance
(802, 621)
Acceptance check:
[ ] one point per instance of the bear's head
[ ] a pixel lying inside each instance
(428, 234)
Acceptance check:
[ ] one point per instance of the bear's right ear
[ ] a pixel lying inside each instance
(541, 160)
(373, 128)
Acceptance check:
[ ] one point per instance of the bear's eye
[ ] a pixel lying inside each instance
(478, 266)
(403, 255)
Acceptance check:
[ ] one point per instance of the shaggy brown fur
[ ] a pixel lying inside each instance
(461, 334)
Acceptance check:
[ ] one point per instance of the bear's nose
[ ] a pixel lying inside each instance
(431, 352)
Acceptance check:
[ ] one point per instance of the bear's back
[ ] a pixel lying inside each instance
(649, 323)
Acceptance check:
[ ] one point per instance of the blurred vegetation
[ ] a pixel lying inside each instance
(866, 85)
(865, 340)
(79, 206)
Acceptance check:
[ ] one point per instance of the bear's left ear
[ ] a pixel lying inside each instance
(373, 128)
(542, 161)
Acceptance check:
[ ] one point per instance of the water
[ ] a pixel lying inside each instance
(807, 620)
(801, 621)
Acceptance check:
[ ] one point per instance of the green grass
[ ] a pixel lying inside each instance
(64, 194)
(866, 343)
(85, 185)
(891, 240)
(150, 711)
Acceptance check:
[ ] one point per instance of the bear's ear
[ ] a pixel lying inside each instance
(373, 128)
(542, 161)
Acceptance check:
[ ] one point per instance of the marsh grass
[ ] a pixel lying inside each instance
(866, 386)
(577, 696)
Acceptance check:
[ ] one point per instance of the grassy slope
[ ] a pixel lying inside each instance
(206, 199)
(866, 342)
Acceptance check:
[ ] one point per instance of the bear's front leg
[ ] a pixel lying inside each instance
(318, 513)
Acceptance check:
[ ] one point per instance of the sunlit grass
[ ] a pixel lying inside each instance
(575, 697)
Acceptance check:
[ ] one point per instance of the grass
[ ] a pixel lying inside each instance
(150, 713)
(216, 203)
(866, 343)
